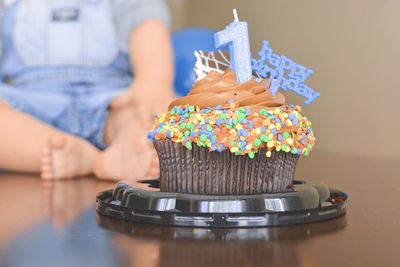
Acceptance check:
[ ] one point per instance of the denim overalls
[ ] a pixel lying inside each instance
(63, 61)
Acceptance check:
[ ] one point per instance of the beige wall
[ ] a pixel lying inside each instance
(353, 47)
(178, 10)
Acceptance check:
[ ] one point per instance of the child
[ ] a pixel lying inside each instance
(68, 103)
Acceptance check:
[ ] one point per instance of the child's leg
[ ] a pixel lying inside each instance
(28, 145)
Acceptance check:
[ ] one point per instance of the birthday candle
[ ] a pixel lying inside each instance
(237, 37)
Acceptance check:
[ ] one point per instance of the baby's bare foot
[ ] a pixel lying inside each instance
(66, 157)
(129, 157)
(120, 162)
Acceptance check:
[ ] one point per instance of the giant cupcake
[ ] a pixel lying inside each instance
(226, 138)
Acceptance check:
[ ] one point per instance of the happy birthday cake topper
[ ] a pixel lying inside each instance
(283, 72)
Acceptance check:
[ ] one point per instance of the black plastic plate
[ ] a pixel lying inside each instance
(307, 202)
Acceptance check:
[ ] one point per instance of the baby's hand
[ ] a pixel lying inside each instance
(147, 98)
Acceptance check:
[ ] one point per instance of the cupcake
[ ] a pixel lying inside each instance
(226, 138)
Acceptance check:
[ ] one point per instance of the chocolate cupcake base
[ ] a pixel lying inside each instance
(200, 171)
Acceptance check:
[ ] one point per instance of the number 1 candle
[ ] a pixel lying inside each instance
(237, 37)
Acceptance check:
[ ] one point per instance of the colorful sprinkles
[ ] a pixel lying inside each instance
(241, 130)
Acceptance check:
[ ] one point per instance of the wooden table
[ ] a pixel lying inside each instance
(55, 224)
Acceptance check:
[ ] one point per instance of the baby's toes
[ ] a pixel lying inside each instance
(46, 164)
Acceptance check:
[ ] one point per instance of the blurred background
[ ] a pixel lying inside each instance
(353, 48)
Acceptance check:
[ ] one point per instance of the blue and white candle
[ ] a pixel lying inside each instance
(236, 35)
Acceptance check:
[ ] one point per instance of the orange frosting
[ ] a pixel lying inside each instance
(219, 88)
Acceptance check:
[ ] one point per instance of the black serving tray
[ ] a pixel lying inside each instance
(307, 202)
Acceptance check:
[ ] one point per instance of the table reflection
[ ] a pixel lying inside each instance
(55, 224)
(179, 246)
